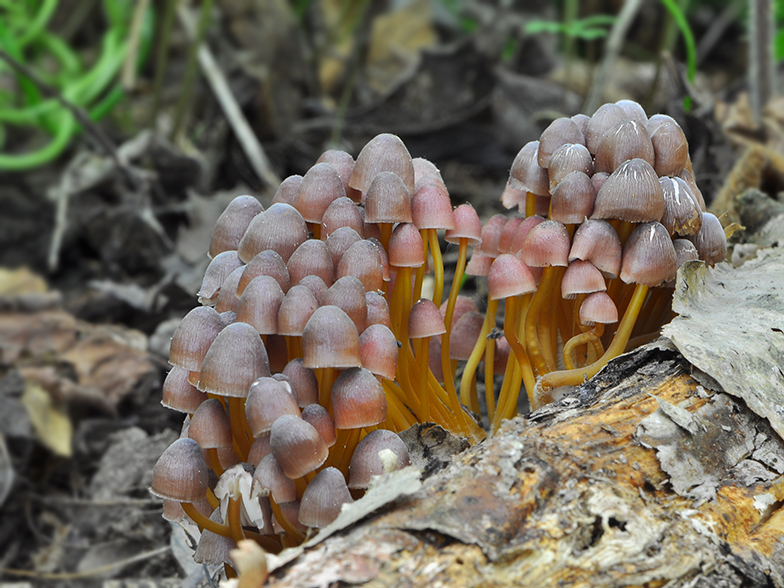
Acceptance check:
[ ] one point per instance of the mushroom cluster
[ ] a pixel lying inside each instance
(314, 346)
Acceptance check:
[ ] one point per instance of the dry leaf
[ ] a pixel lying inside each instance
(52, 426)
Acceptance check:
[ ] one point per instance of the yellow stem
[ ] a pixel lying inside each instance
(618, 345)
(290, 529)
(203, 522)
(215, 464)
(476, 355)
(235, 519)
(539, 306)
(239, 426)
(489, 380)
(422, 354)
(438, 266)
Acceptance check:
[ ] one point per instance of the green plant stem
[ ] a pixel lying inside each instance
(183, 105)
(688, 40)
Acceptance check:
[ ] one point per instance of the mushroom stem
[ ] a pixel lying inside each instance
(536, 314)
(215, 464)
(239, 425)
(618, 345)
(489, 378)
(446, 362)
(586, 338)
(235, 520)
(420, 272)
(438, 266)
(530, 204)
(422, 355)
(290, 529)
(466, 395)
(204, 522)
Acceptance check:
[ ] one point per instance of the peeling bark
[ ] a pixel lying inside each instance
(641, 476)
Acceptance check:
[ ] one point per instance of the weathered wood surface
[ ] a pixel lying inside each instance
(640, 477)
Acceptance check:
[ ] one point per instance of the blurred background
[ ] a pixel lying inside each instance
(126, 126)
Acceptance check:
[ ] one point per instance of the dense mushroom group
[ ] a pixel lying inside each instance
(314, 345)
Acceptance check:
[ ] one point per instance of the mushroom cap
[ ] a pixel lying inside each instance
(379, 452)
(467, 226)
(318, 416)
(509, 276)
(323, 498)
(270, 479)
(232, 224)
(671, 149)
(339, 241)
(179, 394)
(383, 153)
(320, 186)
(181, 473)
(526, 173)
(710, 241)
(268, 399)
(265, 263)
(491, 235)
(387, 200)
(330, 339)
(626, 140)
(406, 248)
(348, 294)
(569, 158)
(425, 320)
(221, 266)
(303, 381)
(235, 359)
(312, 258)
(648, 256)
(342, 212)
(280, 228)
(682, 214)
(632, 193)
(596, 241)
(362, 260)
(546, 244)
(378, 351)
(210, 426)
(358, 400)
(295, 310)
(598, 308)
(297, 446)
(605, 118)
(581, 277)
(193, 337)
(260, 303)
(560, 132)
(287, 190)
(378, 309)
(344, 164)
(573, 199)
(227, 299)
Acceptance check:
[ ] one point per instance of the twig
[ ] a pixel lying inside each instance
(762, 69)
(128, 76)
(239, 124)
(81, 116)
(611, 51)
(87, 573)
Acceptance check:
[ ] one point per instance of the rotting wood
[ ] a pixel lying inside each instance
(639, 477)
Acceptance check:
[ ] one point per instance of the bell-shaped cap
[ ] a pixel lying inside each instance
(303, 382)
(569, 158)
(547, 244)
(221, 266)
(383, 153)
(312, 258)
(633, 110)
(348, 294)
(318, 416)
(424, 170)
(710, 241)
(598, 308)
(265, 263)
(682, 214)
(258, 449)
(522, 232)
(670, 148)
(270, 479)
(358, 400)
(387, 200)
(297, 446)
(260, 303)
(330, 339)
(605, 118)
(295, 311)
(280, 228)
(505, 242)
(210, 426)
(315, 285)
(362, 260)
(596, 241)
(581, 277)
(268, 399)
(344, 164)
(491, 235)
(381, 451)
(342, 212)
(227, 297)
(632, 193)
(626, 140)
(378, 351)
(323, 498)
(573, 199)
(378, 309)
(235, 359)
(232, 224)
(320, 186)
(431, 207)
(339, 241)
(179, 394)
(509, 276)
(193, 337)
(526, 174)
(287, 190)
(424, 320)
(181, 473)
(648, 256)
(467, 226)
(406, 248)
(560, 132)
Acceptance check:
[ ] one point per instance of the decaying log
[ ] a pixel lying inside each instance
(643, 476)
(652, 473)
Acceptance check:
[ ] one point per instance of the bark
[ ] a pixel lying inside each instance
(641, 476)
